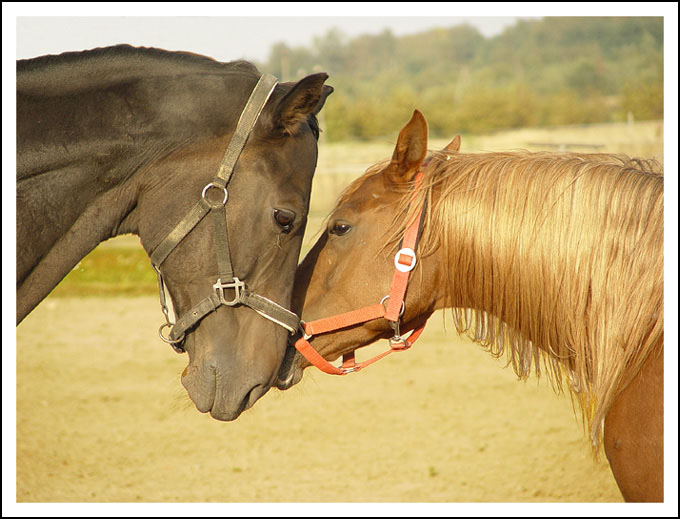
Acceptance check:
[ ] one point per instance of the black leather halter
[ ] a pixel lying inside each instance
(226, 280)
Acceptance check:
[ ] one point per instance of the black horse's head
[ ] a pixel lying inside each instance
(234, 352)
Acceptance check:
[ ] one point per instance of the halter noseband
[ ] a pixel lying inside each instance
(226, 280)
(404, 262)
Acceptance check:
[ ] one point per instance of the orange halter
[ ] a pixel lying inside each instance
(404, 262)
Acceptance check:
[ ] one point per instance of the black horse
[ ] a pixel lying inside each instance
(128, 140)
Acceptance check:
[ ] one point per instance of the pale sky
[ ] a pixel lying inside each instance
(247, 30)
(233, 30)
(224, 38)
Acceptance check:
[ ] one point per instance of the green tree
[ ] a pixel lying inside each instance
(556, 70)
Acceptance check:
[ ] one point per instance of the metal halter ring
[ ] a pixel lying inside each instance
(212, 184)
(401, 312)
(168, 339)
(301, 329)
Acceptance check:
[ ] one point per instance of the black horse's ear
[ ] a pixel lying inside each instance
(325, 92)
(306, 97)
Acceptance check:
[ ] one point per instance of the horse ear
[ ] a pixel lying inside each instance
(306, 97)
(325, 92)
(454, 145)
(410, 150)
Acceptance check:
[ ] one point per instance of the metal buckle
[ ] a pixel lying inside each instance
(397, 333)
(236, 284)
(399, 343)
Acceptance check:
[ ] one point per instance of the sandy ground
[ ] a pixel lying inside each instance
(102, 417)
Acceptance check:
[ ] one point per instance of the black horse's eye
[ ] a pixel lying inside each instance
(284, 219)
(340, 229)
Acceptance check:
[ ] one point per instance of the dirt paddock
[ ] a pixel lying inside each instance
(102, 417)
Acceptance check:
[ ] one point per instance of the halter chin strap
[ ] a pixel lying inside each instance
(215, 203)
(404, 262)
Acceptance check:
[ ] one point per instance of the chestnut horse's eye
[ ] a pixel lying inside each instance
(339, 228)
(284, 219)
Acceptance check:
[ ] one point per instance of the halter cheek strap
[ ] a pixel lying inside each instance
(404, 262)
(228, 290)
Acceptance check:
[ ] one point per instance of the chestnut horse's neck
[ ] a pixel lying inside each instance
(557, 257)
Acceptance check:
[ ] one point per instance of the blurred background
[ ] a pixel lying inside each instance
(540, 72)
(101, 415)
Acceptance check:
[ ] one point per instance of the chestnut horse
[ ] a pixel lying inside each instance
(555, 260)
(149, 142)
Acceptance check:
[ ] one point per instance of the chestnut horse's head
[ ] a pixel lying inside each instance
(352, 263)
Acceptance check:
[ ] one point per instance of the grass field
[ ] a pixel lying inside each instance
(102, 416)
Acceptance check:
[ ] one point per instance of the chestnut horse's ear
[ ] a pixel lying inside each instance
(306, 97)
(410, 150)
(454, 145)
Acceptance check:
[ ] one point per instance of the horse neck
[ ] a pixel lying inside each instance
(554, 258)
(108, 106)
(89, 122)
(84, 143)
(559, 263)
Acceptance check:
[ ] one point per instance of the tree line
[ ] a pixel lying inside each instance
(552, 71)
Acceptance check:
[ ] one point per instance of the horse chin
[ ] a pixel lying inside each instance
(226, 415)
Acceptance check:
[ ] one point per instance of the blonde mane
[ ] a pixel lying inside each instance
(555, 260)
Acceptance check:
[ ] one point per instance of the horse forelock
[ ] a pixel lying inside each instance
(556, 260)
